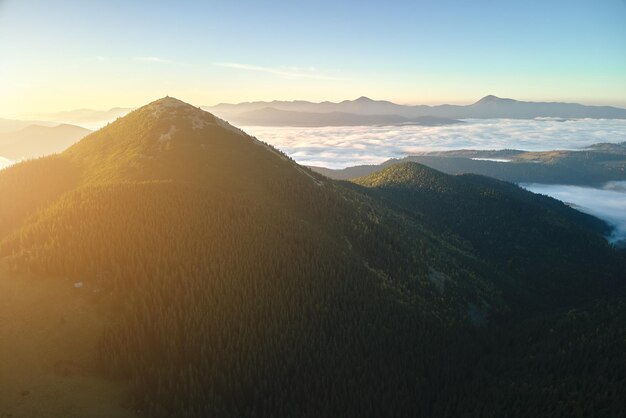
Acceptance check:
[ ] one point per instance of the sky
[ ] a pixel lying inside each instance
(70, 54)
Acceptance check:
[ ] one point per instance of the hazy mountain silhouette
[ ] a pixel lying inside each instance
(486, 108)
(12, 125)
(88, 118)
(273, 117)
(36, 140)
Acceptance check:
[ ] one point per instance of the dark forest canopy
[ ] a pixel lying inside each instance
(248, 285)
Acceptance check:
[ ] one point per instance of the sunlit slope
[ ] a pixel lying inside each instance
(49, 333)
(172, 140)
(169, 148)
(30, 186)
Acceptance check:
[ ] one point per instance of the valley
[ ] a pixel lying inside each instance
(353, 209)
(196, 271)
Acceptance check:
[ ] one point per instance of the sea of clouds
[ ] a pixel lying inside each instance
(338, 147)
(607, 202)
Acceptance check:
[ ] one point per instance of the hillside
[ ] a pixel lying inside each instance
(49, 331)
(234, 282)
(531, 237)
(36, 140)
(592, 166)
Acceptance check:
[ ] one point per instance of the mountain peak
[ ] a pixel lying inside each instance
(489, 99)
(165, 139)
(169, 103)
(182, 113)
(364, 99)
(406, 174)
(494, 99)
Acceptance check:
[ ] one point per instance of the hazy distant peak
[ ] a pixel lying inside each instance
(43, 128)
(35, 127)
(38, 140)
(490, 99)
(489, 107)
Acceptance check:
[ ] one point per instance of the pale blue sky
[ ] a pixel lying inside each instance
(65, 54)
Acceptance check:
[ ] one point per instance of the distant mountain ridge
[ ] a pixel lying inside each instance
(79, 116)
(269, 116)
(91, 119)
(37, 140)
(12, 125)
(489, 107)
(591, 166)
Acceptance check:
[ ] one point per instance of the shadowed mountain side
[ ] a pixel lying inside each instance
(528, 236)
(488, 107)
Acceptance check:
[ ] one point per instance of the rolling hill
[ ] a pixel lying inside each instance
(593, 166)
(511, 232)
(233, 282)
(12, 125)
(36, 141)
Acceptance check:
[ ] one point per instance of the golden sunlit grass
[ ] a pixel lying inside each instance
(48, 336)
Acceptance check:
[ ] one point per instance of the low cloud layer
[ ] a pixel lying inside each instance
(338, 147)
(608, 202)
(5, 162)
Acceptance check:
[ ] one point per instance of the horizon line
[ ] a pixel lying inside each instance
(402, 103)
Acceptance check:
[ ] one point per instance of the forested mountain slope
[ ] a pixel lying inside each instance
(247, 285)
(536, 239)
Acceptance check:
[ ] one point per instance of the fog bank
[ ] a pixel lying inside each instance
(5, 162)
(608, 202)
(339, 147)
